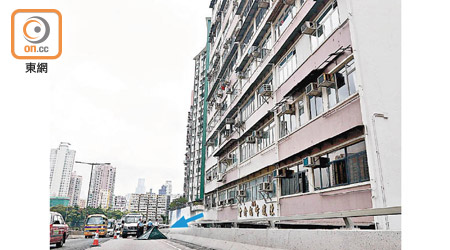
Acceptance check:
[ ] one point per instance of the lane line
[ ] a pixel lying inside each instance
(172, 245)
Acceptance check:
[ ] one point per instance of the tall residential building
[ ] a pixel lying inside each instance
(61, 165)
(303, 111)
(195, 133)
(140, 189)
(75, 188)
(149, 205)
(102, 186)
(120, 203)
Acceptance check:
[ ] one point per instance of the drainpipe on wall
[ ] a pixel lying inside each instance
(205, 113)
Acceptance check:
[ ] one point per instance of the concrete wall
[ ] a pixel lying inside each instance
(290, 238)
(375, 33)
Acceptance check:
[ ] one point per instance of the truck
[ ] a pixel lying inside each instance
(130, 224)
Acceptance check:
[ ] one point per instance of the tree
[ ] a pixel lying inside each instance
(178, 203)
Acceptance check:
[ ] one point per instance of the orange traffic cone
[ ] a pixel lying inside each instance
(95, 243)
(115, 235)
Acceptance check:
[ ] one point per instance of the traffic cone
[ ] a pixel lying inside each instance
(95, 243)
(115, 235)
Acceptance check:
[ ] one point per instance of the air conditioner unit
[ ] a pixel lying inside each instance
(250, 139)
(254, 51)
(266, 90)
(310, 162)
(238, 123)
(221, 203)
(229, 120)
(287, 108)
(220, 177)
(265, 187)
(226, 46)
(219, 105)
(229, 90)
(230, 201)
(263, 4)
(283, 173)
(326, 80)
(210, 143)
(219, 93)
(241, 193)
(209, 178)
(313, 90)
(242, 75)
(308, 28)
(235, 3)
(229, 157)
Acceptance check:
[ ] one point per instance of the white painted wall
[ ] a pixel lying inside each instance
(375, 32)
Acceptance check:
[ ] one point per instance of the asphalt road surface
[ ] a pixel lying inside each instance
(129, 243)
(79, 243)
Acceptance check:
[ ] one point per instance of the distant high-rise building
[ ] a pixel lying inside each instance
(75, 188)
(120, 203)
(102, 186)
(166, 189)
(61, 165)
(140, 189)
(152, 206)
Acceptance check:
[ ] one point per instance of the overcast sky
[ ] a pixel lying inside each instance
(121, 89)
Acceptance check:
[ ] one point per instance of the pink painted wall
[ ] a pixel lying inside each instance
(333, 201)
(228, 213)
(341, 37)
(321, 129)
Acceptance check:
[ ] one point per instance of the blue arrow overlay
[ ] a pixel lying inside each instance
(182, 222)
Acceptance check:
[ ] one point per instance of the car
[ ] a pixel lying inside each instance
(59, 230)
(111, 227)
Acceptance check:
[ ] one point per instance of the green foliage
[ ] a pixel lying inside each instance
(178, 203)
(75, 216)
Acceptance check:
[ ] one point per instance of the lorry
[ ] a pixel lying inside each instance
(130, 224)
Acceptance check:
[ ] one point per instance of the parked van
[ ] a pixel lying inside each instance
(129, 224)
(111, 227)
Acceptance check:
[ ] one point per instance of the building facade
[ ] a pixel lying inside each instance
(61, 165)
(75, 188)
(195, 132)
(120, 203)
(152, 206)
(102, 186)
(299, 120)
(82, 203)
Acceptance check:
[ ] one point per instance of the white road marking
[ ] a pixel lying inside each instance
(172, 245)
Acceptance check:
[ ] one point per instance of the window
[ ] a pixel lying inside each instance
(248, 108)
(252, 190)
(326, 24)
(287, 66)
(298, 183)
(287, 124)
(247, 151)
(284, 21)
(315, 106)
(223, 196)
(302, 116)
(345, 166)
(268, 136)
(344, 86)
(232, 194)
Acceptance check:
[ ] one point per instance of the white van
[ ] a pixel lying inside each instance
(129, 224)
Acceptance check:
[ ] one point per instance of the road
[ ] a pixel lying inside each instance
(129, 243)
(79, 243)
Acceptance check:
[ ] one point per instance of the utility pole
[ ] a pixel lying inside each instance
(90, 179)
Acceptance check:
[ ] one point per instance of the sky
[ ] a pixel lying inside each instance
(120, 92)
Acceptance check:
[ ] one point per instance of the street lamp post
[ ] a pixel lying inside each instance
(90, 179)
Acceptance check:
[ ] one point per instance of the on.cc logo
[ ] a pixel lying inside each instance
(39, 32)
